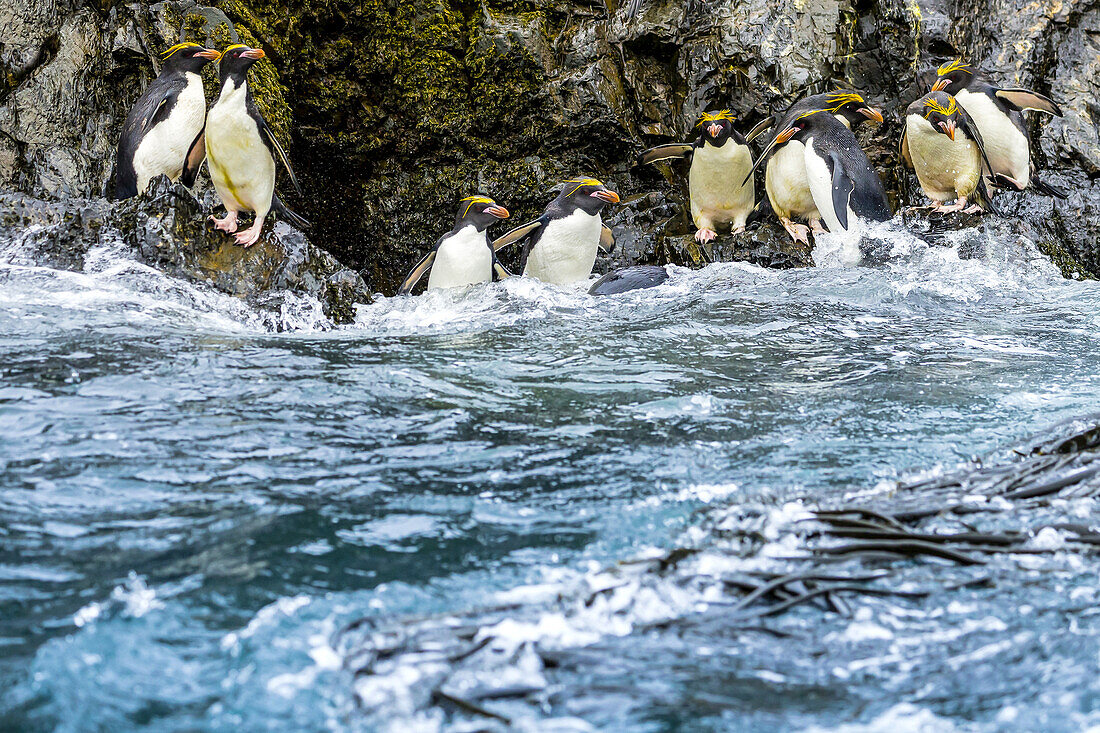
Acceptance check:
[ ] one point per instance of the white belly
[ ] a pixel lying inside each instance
(717, 196)
(566, 250)
(461, 260)
(163, 150)
(946, 168)
(1006, 147)
(821, 187)
(787, 185)
(241, 165)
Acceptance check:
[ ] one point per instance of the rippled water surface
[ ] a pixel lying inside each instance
(191, 505)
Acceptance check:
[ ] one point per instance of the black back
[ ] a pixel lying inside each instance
(637, 277)
(153, 106)
(855, 181)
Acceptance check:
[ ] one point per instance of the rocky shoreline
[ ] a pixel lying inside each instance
(166, 228)
(391, 111)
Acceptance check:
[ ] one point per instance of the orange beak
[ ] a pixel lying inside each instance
(609, 196)
(209, 54)
(498, 211)
(941, 84)
(785, 135)
(714, 129)
(872, 114)
(254, 53)
(949, 128)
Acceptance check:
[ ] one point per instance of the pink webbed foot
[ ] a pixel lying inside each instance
(702, 236)
(228, 224)
(959, 205)
(798, 232)
(250, 236)
(817, 227)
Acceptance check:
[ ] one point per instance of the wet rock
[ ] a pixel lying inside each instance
(166, 228)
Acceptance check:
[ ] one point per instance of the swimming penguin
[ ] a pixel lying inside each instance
(944, 147)
(241, 150)
(841, 182)
(163, 134)
(848, 107)
(998, 115)
(785, 178)
(462, 256)
(720, 157)
(636, 277)
(560, 246)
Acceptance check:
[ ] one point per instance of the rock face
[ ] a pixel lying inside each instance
(396, 109)
(166, 228)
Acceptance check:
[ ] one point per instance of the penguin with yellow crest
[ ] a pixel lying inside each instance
(163, 134)
(241, 150)
(462, 256)
(945, 148)
(720, 158)
(998, 114)
(560, 246)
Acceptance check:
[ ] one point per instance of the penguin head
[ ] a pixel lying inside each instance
(942, 112)
(852, 107)
(188, 57)
(237, 60)
(953, 76)
(480, 211)
(800, 124)
(587, 194)
(715, 127)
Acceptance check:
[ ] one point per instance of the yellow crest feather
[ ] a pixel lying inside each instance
(840, 98)
(179, 47)
(581, 183)
(934, 106)
(475, 200)
(724, 114)
(955, 65)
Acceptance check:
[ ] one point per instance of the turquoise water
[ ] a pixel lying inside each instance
(193, 505)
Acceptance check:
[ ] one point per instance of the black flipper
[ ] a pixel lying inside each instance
(982, 197)
(516, 234)
(196, 154)
(280, 208)
(416, 273)
(760, 127)
(843, 186)
(607, 239)
(278, 152)
(1025, 99)
(164, 108)
(672, 151)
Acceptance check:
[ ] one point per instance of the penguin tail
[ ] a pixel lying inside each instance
(1047, 189)
(762, 209)
(296, 221)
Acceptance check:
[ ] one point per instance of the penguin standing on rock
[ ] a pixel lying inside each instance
(463, 256)
(560, 246)
(841, 182)
(163, 134)
(785, 178)
(944, 147)
(720, 157)
(241, 151)
(997, 113)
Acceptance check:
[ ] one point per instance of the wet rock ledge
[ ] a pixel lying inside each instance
(166, 228)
